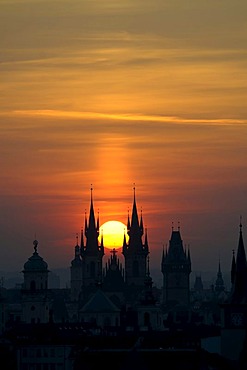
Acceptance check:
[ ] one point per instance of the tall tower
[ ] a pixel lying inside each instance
(234, 311)
(92, 253)
(35, 299)
(135, 251)
(176, 269)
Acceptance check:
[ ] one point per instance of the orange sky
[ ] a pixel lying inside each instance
(120, 92)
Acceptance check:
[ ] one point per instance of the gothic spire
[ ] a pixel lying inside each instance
(134, 217)
(91, 214)
(92, 231)
(219, 284)
(239, 291)
(135, 231)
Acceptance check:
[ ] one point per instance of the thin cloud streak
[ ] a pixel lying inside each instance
(126, 117)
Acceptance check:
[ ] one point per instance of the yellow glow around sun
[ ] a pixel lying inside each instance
(113, 234)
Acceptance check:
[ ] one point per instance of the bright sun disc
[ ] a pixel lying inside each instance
(113, 234)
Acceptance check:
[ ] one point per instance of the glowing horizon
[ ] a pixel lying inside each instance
(91, 95)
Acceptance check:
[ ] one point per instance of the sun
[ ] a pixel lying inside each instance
(113, 234)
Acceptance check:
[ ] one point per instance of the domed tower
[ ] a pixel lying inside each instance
(135, 251)
(35, 301)
(176, 269)
(92, 253)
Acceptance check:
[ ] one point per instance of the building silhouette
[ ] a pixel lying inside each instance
(234, 309)
(116, 309)
(176, 269)
(128, 288)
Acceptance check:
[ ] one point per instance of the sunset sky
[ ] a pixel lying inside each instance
(112, 93)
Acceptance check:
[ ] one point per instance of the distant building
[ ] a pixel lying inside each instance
(125, 287)
(234, 310)
(176, 269)
(36, 302)
(118, 300)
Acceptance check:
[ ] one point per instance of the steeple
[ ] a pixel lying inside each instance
(91, 253)
(234, 309)
(219, 284)
(239, 289)
(135, 231)
(91, 213)
(176, 268)
(92, 232)
(134, 217)
(135, 251)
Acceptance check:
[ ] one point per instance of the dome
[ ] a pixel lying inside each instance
(35, 262)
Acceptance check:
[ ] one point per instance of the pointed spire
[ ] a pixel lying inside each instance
(239, 289)
(134, 218)
(219, 284)
(241, 256)
(92, 231)
(91, 215)
(135, 231)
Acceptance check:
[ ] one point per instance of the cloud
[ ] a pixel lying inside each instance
(98, 117)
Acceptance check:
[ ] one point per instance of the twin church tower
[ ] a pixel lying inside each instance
(132, 281)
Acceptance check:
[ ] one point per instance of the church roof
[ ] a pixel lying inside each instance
(99, 302)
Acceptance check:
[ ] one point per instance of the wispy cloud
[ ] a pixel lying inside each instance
(124, 117)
